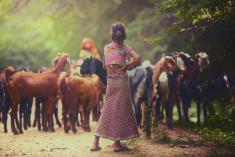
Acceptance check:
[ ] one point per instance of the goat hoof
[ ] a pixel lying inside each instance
(45, 129)
(34, 125)
(88, 129)
(21, 131)
(15, 132)
(5, 131)
(52, 130)
(59, 125)
(74, 131)
(66, 131)
(170, 126)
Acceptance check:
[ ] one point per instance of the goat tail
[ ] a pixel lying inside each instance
(62, 83)
(63, 87)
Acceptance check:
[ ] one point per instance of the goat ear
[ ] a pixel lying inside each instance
(196, 55)
(208, 60)
(163, 55)
(177, 53)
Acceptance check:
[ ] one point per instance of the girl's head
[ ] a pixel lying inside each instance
(118, 33)
(89, 45)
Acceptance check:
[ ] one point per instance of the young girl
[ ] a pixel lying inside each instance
(117, 121)
(88, 49)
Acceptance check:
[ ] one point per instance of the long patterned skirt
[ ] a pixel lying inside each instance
(117, 121)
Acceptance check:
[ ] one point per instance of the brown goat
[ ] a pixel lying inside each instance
(80, 93)
(28, 84)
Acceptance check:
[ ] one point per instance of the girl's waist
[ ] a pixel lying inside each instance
(115, 69)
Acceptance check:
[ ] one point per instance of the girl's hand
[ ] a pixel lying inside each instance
(123, 69)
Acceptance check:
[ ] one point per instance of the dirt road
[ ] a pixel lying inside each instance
(58, 144)
(37, 143)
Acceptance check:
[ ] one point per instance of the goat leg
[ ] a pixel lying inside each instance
(56, 115)
(168, 114)
(72, 118)
(14, 118)
(65, 120)
(148, 120)
(4, 118)
(50, 122)
(30, 104)
(138, 114)
(19, 126)
(24, 111)
(158, 109)
(44, 123)
(13, 128)
(21, 112)
(88, 128)
(185, 104)
(82, 119)
(77, 120)
(205, 112)
(143, 115)
(35, 120)
(94, 113)
(198, 112)
(37, 112)
(179, 109)
(50, 104)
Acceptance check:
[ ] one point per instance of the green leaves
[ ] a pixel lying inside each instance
(226, 139)
(50, 26)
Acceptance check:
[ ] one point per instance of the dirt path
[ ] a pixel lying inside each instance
(36, 143)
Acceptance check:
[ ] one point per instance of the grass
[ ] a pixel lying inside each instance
(184, 140)
(225, 139)
(206, 134)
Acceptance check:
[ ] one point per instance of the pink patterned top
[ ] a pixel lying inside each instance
(114, 56)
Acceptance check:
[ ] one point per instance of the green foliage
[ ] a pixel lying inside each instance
(212, 153)
(204, 25)
(194, 12)
(47, 27)
(223, 118)
(146, 32)
(226, 139)
(33, 32)
(184, 140)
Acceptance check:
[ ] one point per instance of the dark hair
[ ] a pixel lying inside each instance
(118, 33)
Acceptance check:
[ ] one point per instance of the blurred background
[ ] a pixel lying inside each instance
(32, 32)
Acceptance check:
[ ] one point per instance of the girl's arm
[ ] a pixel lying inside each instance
(135, 59)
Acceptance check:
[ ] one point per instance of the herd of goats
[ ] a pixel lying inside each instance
(172, 80)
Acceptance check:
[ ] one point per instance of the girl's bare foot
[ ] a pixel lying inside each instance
(95, 148)
(118, 147)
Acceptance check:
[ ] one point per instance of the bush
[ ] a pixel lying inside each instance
(226, 139)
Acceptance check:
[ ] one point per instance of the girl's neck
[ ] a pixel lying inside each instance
(116, 45)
